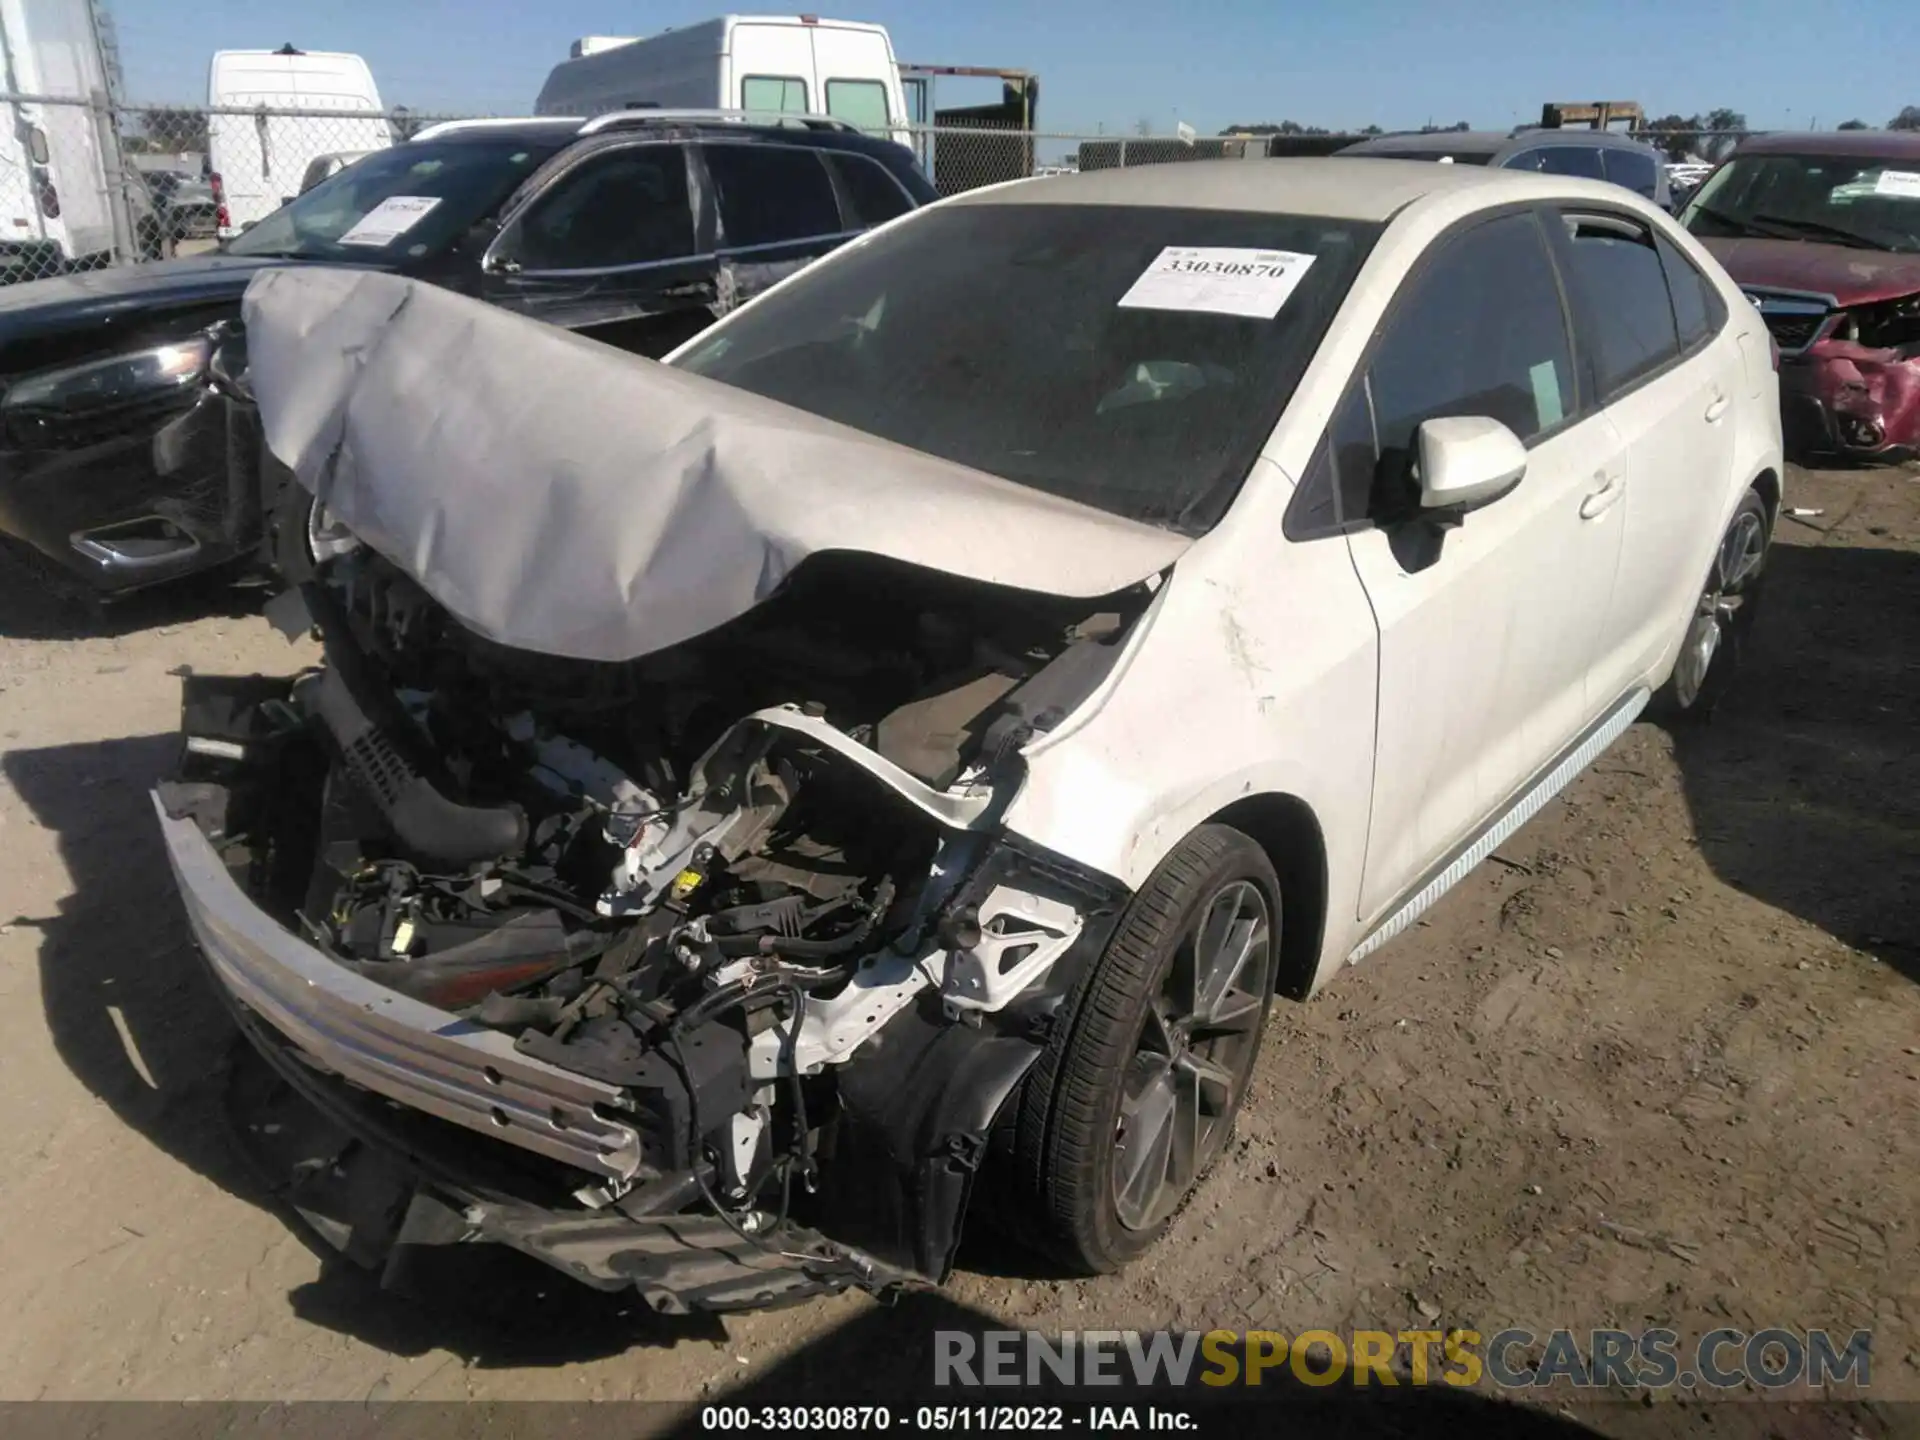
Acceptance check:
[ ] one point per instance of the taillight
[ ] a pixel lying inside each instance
(220, 217)
(1773, 352)
(45, 194)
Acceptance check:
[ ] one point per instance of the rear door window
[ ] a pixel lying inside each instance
(772, 193)
(868, 194)
(1626, 312)
(861, 103)
(774, 94)
(626, 208)
(1632, 169)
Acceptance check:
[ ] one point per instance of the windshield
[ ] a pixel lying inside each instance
(397, 205)
(1844, 200)
(1030, 342)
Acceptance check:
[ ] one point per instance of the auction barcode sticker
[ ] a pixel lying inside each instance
(390, 219)
(1218, 279)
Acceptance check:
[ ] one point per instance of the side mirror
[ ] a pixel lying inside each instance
(1467, 461)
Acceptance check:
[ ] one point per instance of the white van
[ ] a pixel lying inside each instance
(54, 207)
(258, 159)
(791, 64)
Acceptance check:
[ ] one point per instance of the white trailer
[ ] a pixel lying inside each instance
(56, 160)
(765, 64)
(258, 158)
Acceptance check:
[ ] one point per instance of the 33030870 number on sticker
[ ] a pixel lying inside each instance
(1220, 280)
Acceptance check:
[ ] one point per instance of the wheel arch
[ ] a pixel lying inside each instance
(1285, 827)
(1768, 484)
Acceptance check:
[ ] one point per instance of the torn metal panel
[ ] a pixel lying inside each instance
(1872, 395)
(559, 496)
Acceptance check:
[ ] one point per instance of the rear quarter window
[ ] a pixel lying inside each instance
(868, 194)
(1698, 310)
(772, 193)
(1637, 172)
(1578, 160)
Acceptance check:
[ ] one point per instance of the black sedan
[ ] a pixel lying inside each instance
(129, 453)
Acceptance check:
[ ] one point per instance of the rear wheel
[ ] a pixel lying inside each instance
(1722, 620)
(1137, 1093)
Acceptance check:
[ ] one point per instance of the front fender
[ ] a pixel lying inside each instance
(920, 1099)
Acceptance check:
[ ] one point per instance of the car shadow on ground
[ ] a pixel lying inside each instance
(133, 1015)
(38, 602)
(494, 1308)
(892, 1355)
(1805, 785)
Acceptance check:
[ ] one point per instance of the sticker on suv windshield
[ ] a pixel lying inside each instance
(390, 219)
(1219, 280)
(1904, 183)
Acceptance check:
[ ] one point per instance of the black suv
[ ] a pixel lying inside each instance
(128, 452)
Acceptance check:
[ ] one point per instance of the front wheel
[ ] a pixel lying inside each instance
(1722, 620)
(302, 533)
(1136, 1094)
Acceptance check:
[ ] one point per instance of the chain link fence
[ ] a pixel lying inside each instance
(85, 184)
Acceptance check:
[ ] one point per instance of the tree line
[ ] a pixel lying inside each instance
(1679, 136)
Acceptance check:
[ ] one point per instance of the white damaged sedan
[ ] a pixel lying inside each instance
(914, 733)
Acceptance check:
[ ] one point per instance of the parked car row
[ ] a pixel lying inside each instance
(900, 745)
(128, 453)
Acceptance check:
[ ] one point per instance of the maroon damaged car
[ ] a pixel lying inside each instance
(1822, 232)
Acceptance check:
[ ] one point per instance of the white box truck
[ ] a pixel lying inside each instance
(257, 157)
(55, 159)
(771, 64)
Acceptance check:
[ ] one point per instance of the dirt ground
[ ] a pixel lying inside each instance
(1658, 1063)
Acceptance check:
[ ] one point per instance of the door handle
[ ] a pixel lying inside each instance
(1717, 407)
(1598, 502)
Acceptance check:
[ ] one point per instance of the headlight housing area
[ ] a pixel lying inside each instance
(112, 382)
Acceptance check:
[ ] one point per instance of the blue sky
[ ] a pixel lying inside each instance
(1117, 62)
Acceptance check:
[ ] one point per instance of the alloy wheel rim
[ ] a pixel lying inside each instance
(1735, 567)
(1191, 1058)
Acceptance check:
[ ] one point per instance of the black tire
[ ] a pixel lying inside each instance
(1071, 1137)
(288, 526)
(1721, 625)
(300, 534)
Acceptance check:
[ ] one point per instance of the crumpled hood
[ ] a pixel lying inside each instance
(561, 496)
(1851, 275)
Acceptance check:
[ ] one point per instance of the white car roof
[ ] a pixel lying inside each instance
(1354, 189)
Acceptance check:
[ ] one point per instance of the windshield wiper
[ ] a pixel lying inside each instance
(1742, 227)
(1837, 233)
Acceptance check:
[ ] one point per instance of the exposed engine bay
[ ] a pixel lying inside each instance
(708, 876)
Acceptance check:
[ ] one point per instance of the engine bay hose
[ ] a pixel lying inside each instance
(428, 822)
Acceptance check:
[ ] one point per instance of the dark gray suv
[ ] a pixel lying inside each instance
(1591, 154)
